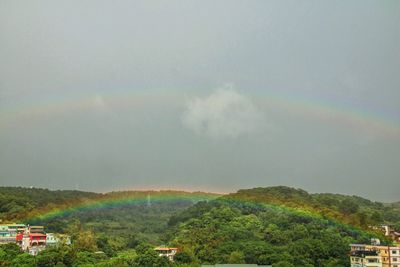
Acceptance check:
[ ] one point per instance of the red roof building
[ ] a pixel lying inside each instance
(37, 239)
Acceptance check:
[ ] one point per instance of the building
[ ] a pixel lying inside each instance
(390, 256)
(31, 239)
(389, 231)
(5, 236)
(166, 252)
(36, 229)
(14, 229)
(37, 239)
(365, 258)
(9, 232)
(386, 256)
(53, 239)
(33, 243)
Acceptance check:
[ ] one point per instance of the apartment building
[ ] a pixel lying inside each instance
(374, 255)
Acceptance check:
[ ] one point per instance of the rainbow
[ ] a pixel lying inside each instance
(306, 215)
(51, 105)
(146, 198)
(350, 115)
(118, 200)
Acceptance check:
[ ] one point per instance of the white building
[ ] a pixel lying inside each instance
(365, 258)
(166, 252)
(56, 239)
(374, 256)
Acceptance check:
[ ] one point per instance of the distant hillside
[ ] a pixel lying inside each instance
(350, 209)
(18, 202)
(278, 225)
(143, 214)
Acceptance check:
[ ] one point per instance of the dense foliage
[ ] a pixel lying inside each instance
(238, 232)
(354, 210)
(18, 203)
(119, 220)
(278, 225)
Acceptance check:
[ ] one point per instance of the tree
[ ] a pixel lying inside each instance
(48, 258)
(104, 245)
(9, 252)
(348, 206)
(150, 258)
(362, 218)
(85, 242)
(397, 227)
(85, 258)
(236, 257)
(283, 264)
(24, 260)
(182, 257)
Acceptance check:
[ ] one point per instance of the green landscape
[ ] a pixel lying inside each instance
(195, 133)
(278, 226)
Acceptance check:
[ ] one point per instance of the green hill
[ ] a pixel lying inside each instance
(141, 214)
(17, 202)
(353, 210)
(276, 225)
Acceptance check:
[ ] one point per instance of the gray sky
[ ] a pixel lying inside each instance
(201, 95)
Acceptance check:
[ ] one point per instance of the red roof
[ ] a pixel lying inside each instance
(37, 235)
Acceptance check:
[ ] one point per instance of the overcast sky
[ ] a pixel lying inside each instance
(201, 95)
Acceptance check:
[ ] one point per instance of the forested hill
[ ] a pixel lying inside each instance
(354, 210)
(278, 225)
(20, 204)
(281, 226)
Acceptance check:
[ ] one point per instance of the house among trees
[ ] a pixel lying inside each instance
(390, 232)
(166, 252)
(31, 239)
(53, 239)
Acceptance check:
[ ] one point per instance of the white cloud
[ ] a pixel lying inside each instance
(98, 101)
(224, 113)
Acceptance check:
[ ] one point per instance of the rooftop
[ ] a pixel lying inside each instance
(164, 248)
(37, 234)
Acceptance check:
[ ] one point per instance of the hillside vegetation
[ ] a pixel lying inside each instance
(119, 215)
(278, 225)
(281, 226)
(18, 202)
(353, 210)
